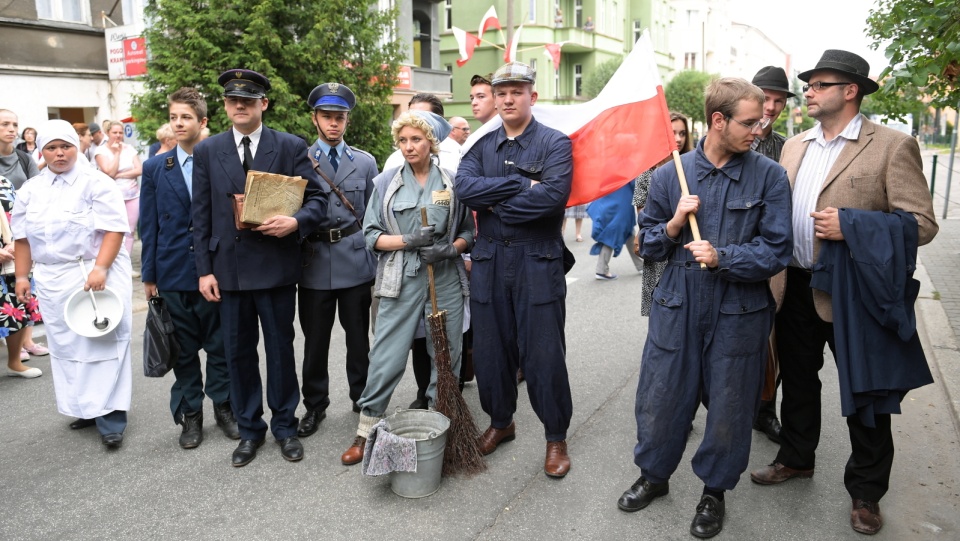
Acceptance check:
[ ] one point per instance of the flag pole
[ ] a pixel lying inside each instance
(685, 190)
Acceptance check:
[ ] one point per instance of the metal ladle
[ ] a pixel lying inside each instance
(98, 322)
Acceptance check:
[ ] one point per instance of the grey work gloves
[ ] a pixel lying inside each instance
(418, 239)
(438, 252)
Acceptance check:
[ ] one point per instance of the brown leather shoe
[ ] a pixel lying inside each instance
(865, 517)
(354, 455)
(557, 463)
(777, 473)
(492, 437)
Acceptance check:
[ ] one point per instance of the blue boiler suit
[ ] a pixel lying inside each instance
(517, 286)
(709, 327)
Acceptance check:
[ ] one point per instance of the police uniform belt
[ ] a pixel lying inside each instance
(333, 235)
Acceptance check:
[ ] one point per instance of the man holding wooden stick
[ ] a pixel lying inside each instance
(712, 310)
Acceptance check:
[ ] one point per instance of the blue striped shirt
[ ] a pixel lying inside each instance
(816, 165)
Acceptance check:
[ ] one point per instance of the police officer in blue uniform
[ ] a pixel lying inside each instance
(517, 179)
(253, 273)
(338, 270)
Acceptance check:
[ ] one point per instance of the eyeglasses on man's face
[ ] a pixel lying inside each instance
(465, 130)
(759, 125)
(820, 85)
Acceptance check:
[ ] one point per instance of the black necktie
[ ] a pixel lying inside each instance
(247, 155)
(333, 158)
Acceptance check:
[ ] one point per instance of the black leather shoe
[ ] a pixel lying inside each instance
(82, 423)
(641, 493)
(223, 413)
(769, 425)
(310, 423)
(419, 404)
(291, 449)
(709, 518)
(246, 452)
(192, 433)
(112, 441)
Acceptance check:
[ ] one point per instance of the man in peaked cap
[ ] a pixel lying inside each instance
(517, 179)
(338, 270)
(253, 273)
(844, 162)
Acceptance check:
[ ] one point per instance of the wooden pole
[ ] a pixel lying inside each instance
(685, 190)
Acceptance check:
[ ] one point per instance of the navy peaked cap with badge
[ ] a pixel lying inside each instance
(242, 83)
(332, 97)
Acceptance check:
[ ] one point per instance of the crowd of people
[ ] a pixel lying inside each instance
(732, 297)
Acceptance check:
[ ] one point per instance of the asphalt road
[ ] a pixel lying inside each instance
(61, 484)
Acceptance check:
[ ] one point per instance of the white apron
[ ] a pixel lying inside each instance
(91, 376)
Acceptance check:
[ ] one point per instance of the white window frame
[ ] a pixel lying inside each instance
(637, 30)
(448, 9)
(578, 79)
(54, 11)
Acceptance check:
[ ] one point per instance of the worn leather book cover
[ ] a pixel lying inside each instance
(267, 195)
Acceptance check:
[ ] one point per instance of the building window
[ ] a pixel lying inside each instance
(578, 13)
(693, 17)
(532, 9)
(690, 61)
(578, 79)
(602, 16)
(75, 11)
(556, 82)
(449, 11)
(449, 68)
(733, 52)
(637, 30)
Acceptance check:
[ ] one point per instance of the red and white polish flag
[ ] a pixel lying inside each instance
(466, 42)
(489, 19)
(617, 135)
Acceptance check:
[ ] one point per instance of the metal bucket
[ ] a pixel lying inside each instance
(429, 429)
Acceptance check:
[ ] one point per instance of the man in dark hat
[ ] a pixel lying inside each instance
(844, 162)
(773, 81)
(517, 179)
(776, 89)
(338, 270)
(253, 273)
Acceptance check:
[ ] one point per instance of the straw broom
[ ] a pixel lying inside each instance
(462, 454)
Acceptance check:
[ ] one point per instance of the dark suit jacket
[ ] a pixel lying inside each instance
(347, 263)
(248, 260)
(869, 276)
(166, 228)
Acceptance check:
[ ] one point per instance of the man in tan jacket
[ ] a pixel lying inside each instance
(845, 161)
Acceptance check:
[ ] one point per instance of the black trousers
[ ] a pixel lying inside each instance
(317, 310)
(801, 335)
(240, 312)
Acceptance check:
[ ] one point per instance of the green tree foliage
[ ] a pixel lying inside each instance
(921, 40)
(684, 93)
(297, 44)
(599, 78)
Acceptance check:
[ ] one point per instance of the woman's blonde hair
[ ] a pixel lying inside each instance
(410, 119)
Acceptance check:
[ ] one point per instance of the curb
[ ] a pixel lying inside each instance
(939, 343)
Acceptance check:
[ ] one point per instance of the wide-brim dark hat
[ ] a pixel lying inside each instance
(773, 78)
(847, 63)
(332, 97)
(243, 83)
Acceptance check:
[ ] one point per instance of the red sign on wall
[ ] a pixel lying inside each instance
(135, 56)
(404, 79)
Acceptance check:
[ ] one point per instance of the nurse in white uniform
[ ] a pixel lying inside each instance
(66, 212)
